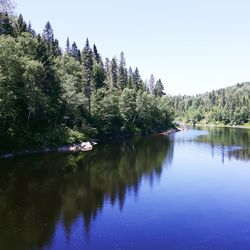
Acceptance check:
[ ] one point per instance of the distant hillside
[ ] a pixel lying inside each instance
(228, 106)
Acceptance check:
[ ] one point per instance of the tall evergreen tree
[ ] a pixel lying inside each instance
(96, 54)
(87, 63)
(122, 72)
(22, 26)
(31, 30)
(114, 72)
(75, 52)
(6, 26)
(67, 49)
(159, 88)
(98, 69)
(137, 79)
(48, 34)
(130, 78)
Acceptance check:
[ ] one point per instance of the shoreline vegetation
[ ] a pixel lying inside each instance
(75, 147)
(219, 125)
(51, 96)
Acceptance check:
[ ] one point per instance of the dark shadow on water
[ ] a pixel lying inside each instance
(36, 193)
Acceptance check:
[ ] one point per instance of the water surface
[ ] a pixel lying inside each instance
(187, 191)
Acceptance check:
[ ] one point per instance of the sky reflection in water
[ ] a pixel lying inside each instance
(187, 191)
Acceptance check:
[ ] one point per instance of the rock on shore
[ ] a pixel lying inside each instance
(81, 147)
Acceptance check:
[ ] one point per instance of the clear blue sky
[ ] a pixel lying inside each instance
(192, 45)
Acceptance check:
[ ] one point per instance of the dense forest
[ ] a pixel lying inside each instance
(227, 106)
(50, 96)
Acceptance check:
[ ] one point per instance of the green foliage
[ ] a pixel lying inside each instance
(229, 106)
(47, 98)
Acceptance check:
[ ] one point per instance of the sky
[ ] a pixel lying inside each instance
(194, 46)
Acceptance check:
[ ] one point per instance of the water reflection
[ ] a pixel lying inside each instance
(231, 142)
(38, 192)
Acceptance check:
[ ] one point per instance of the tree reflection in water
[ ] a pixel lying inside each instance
(232, 142)
(37, 192)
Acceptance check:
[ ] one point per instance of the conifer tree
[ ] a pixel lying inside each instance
(6, 26)
(67, 49)
(114, 72)
(87, 63)
(137, 79)
(98, 69)
(22, 26)
(122, 72)
(159, 88)
(31, 30)
(97, 56)
(48, 34)
(130, 78)
(75, 52)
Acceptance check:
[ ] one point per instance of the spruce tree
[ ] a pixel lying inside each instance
(75, 52)
(98, 69)
(48, 34)
(130, 78)
(31, 30)
(114, 73)
(22, 26)
(96, 54)
(87, 63)
(159, 88)
(122, 72)
(6, 26)
(67, 49)
(137, 79)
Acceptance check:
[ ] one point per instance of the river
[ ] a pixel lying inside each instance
(189, 190)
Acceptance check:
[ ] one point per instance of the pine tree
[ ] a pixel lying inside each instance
(98, 69)
(122, 72)
(56, 51)
(75, 52)
(137, 79)
(22, 26)
(114, 73)
(6, 27)
(31, 30)
(130, 78)
(97, 56)
(48, 34)
(87, 63)
(67, 49)
(159, 88)
(51, 43)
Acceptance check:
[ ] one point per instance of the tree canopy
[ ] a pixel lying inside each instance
(51, 96)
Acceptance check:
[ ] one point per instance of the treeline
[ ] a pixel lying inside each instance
(54, 96)
(228, 106)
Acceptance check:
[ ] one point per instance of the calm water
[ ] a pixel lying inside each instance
(187, 191)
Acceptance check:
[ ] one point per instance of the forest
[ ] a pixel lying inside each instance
(227, 106)
(51, 96)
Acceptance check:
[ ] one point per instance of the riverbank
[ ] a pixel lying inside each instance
(75, 147)
(245, 126)
(219, 125)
